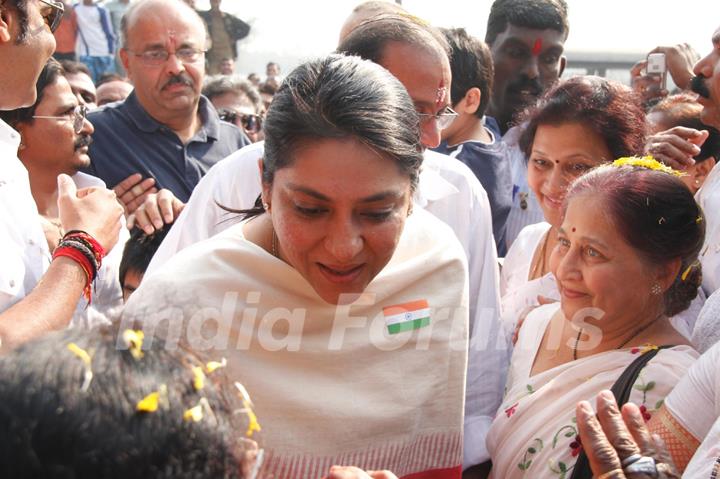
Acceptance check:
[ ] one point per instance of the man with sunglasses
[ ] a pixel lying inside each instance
(38, 294)
(165, 134)
(238, 102)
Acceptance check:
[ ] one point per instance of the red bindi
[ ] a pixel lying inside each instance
(537, 47)
(573, 230)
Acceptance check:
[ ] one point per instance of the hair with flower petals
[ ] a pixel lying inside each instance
(74, 404)
(656, 214)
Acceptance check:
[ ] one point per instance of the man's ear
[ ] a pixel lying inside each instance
(124, 59)
(7, 17)
(471, 102)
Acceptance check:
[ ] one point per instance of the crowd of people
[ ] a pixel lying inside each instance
(423, 255)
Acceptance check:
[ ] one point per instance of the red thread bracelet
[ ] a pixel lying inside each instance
(83, 261)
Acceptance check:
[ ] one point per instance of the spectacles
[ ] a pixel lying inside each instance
(249, 123)
(444, 118)
(158, 57)
(79, 114)
(54, 16)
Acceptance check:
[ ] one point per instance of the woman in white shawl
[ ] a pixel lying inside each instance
(342, 310)
(625, 261)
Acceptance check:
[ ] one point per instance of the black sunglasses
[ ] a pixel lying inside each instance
(55, 15)
(249, 123)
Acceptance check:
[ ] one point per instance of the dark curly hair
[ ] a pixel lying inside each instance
(657, 215)
(51, 427)
(609, 108)
(535, 14)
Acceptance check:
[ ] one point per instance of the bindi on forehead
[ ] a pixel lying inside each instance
(574, 229)
(537, 47)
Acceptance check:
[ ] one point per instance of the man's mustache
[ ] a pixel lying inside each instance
(179, 79)
(532, 85)
(83, 140)
(697, 84)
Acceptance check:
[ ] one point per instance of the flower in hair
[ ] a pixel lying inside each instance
(253, 424)
(198, 378)
(153, 401)
(687, 271)
(134, 341)
(212, 366)
(197, 413)
(86, 358)
(647, 162)
(194, 414)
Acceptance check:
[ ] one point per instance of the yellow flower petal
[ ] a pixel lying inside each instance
(198, 378)
(211, 366)
(80, 353)
(646, 162)
(194, 414)
(253, 424)
(149, 403)
(134, 341)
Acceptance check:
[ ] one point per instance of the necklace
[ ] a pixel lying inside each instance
(633, 336)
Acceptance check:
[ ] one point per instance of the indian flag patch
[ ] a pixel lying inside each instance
(407, 316)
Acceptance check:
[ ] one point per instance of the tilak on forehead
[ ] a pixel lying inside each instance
(537, 47)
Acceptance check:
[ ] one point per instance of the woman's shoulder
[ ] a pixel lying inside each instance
(526, 242)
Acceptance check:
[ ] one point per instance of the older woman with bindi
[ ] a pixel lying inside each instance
(579, 124)
(343, 310)
(625, 262)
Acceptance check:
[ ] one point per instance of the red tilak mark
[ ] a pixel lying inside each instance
(537, 48)
(573, 230)
(557, 162)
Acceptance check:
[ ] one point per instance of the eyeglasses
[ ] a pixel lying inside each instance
(79, 114)
(159, 57)
(444, 118)
(249, 123)
(54, 16)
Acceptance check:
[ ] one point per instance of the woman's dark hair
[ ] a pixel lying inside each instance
(341, 97)
(609, 108)
(49, 74)
(53, 426)
(657, 215)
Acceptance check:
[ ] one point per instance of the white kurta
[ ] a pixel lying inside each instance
(448, 190)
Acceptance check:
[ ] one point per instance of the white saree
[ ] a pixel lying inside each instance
(330, 384)
(534, 434)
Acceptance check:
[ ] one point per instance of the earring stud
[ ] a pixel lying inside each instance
(656, 289)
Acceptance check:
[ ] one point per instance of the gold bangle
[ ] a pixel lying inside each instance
(609, 474)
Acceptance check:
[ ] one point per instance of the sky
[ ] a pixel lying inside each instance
(291, 31)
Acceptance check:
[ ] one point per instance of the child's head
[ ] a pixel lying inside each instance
(472, 76)
(137, 254)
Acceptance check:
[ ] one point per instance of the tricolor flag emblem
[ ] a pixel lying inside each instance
(407, 316)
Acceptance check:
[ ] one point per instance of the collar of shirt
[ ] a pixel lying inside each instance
(431, 185)
(144, 122)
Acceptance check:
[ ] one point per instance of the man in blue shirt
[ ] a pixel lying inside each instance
(165, 134)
